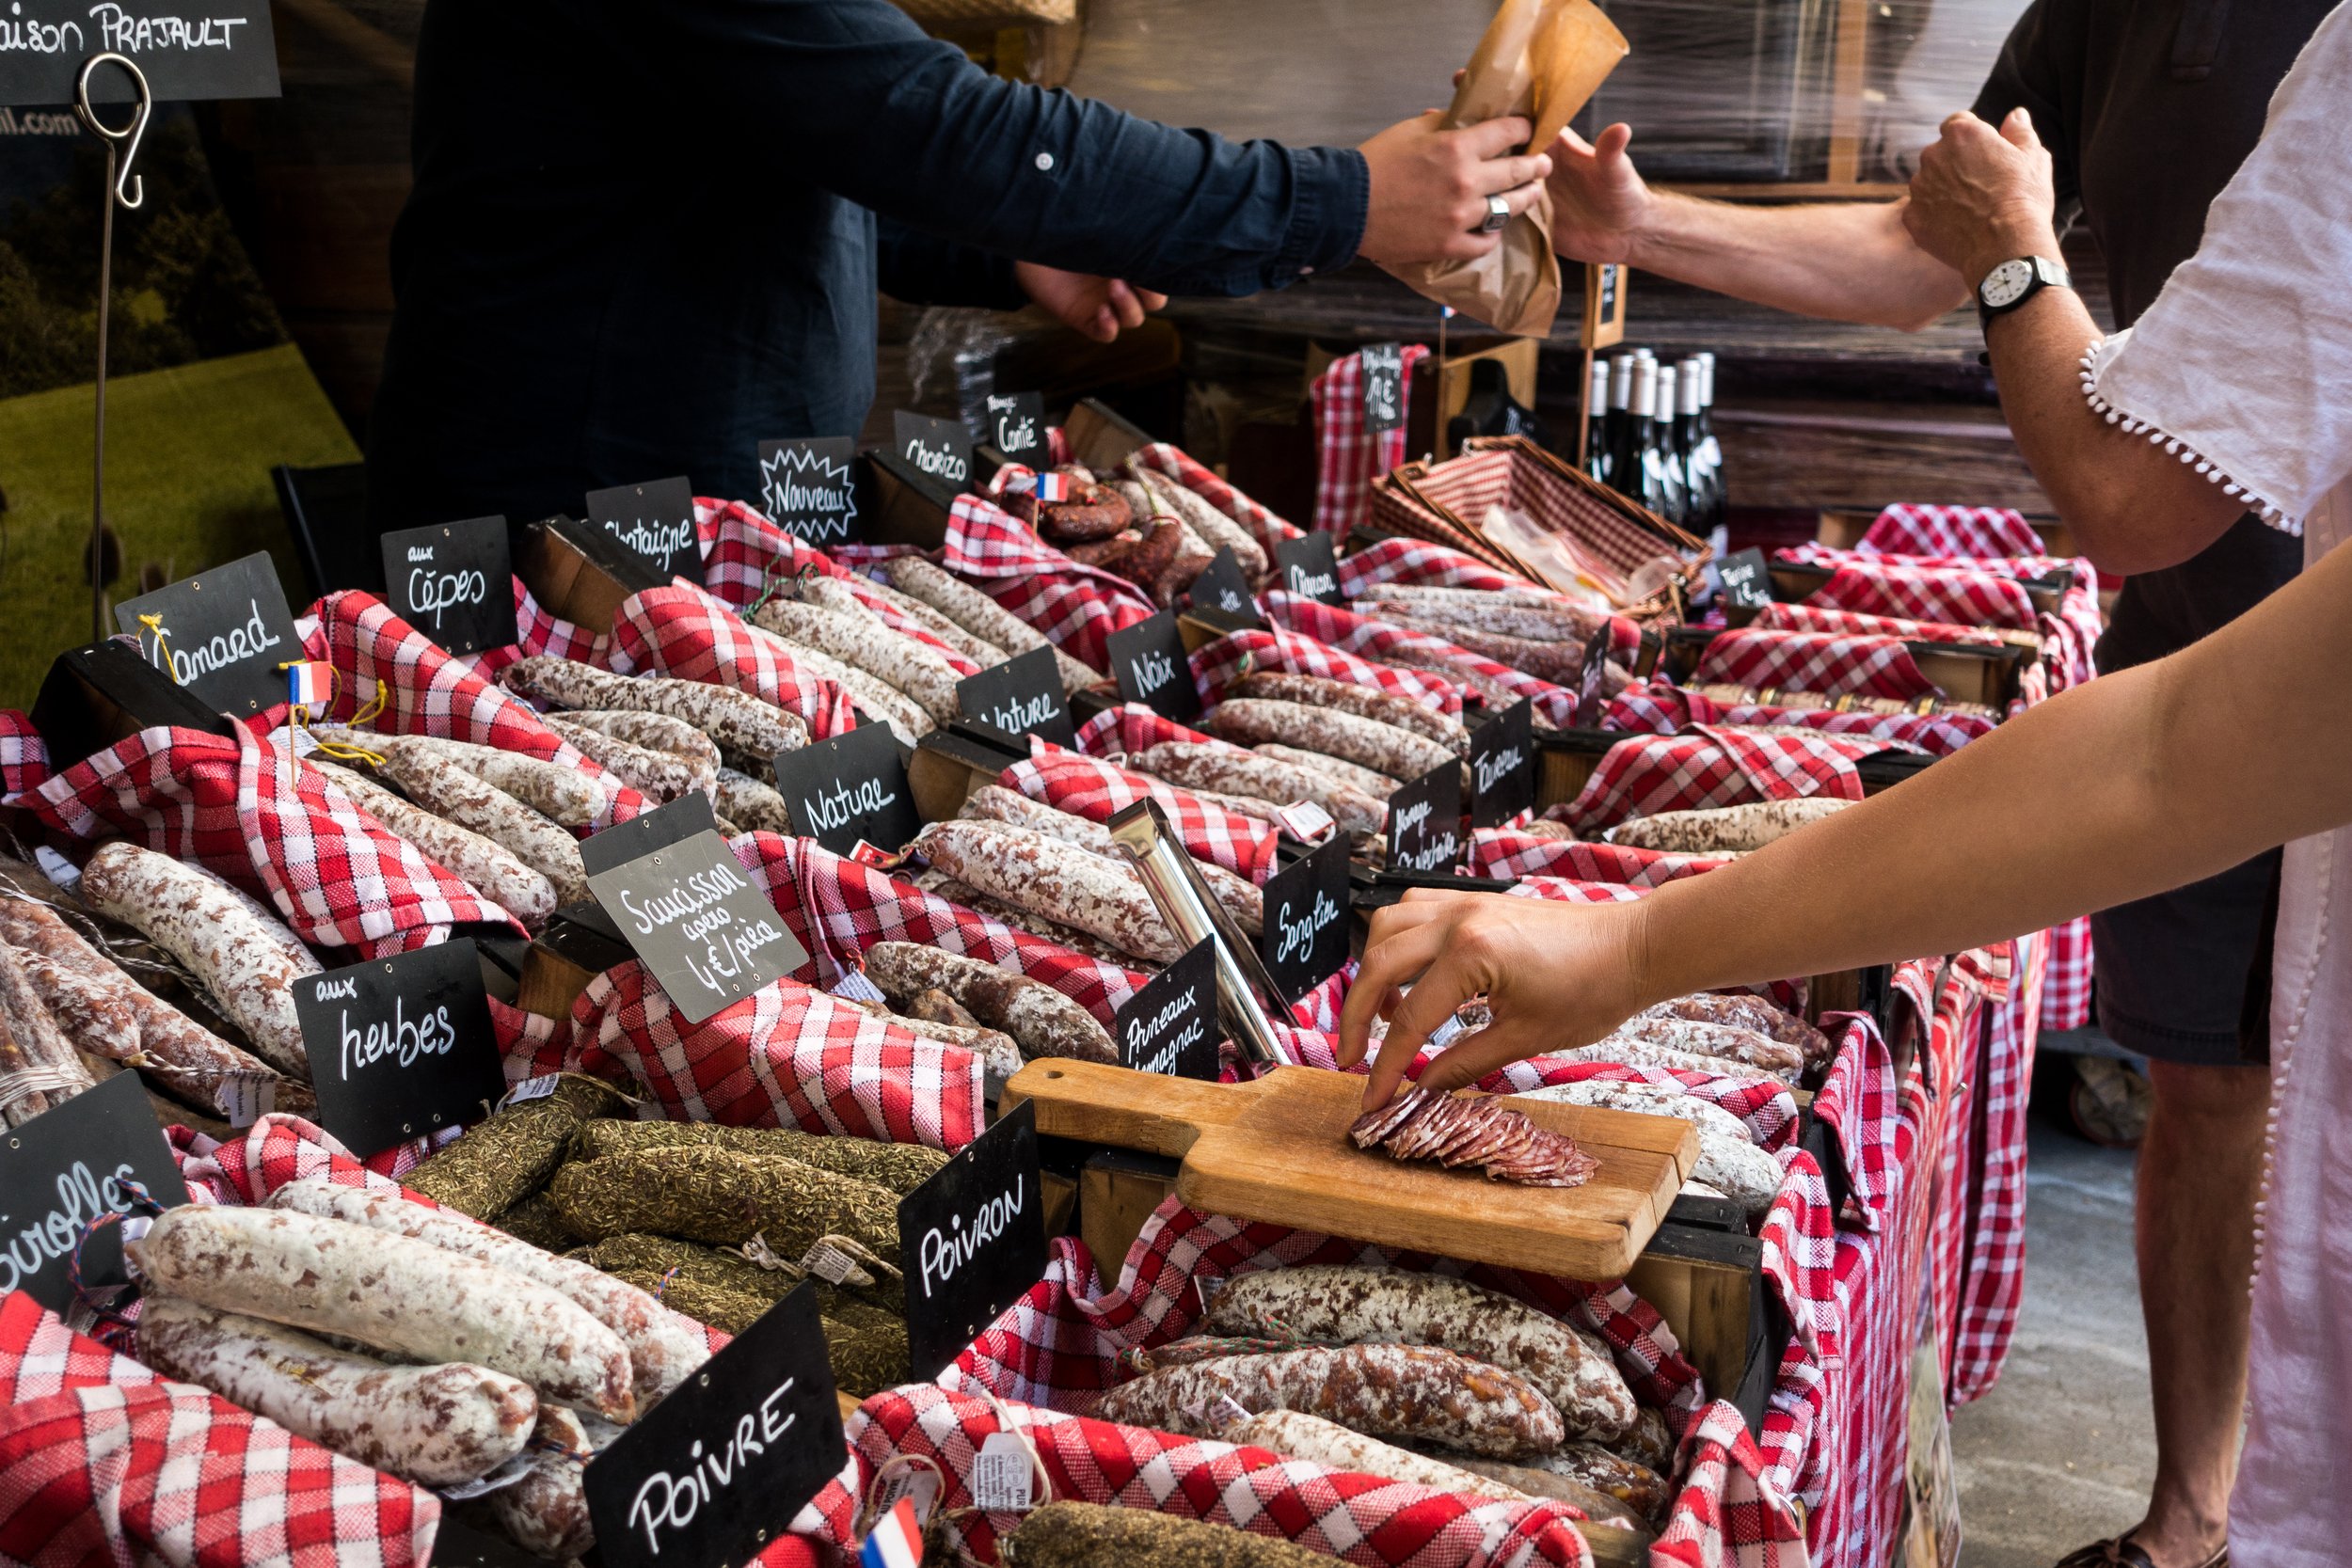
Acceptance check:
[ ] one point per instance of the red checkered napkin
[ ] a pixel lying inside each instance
(276, 829)
(1172, 462)
(686, 633)
(1659, 709)
(1133, 727)
(102, 1461)
(1419, 564)
(1969, 595)
(1502, 852)
(1730, 1509)
(380, 657)
(1094, 789)
(1833, 664)
(1780, 616)
(1716, 765)
(1075, 607)
(1912, 528)
(1348, 457)
(24, 755)
(1216, 666)
(1374, 639)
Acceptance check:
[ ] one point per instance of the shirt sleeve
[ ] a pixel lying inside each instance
(921, 268)
(851, 95)
(2244, 363)
(2029, 75)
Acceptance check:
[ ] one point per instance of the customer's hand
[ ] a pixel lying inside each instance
(1556, 976)
(1984, 195)
(1429, 188)
(1098, 307)
(1600, 201)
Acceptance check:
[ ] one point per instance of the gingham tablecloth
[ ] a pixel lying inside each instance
(1831, 664)
(1654, 708)
(1095, 789)
(1716, 765)
(1172, 462)
(1348, 457)
(1075, 607)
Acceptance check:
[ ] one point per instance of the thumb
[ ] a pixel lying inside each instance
(1609, 146)
(2017, 129)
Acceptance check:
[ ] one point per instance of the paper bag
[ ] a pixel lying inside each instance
(1542, 59)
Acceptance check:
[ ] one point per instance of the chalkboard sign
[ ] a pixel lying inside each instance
(1305, 939)
(641, 836)
(972, 1242)
(812, 489)
(1305, 566)
(1592, 699)
(1152, 667)
(939, 449)
(1603, 323)
(654, 522)
(1016, 425)
(715, 1471)
(1425, 821)
(695, 920)
(1384, 387)
(67, 1166)
(1502, 765)
(1747, 580)
(850, 788)
(1169, 1026)
(1221, 586)
(189, 49)
(454, 583)
(222, 634)
(1021, 696)
(400, 1047)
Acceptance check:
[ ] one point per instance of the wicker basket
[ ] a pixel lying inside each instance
(989, 13)
(1436, 501)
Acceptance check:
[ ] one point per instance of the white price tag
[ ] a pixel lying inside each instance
(1002, 1476)
(504, 1476)
(247, 1097)
(855, 986)
(916, 1483)
(532, 1088)
(833, 1266)
(304, 741)
(59, 870)
(1305, 820)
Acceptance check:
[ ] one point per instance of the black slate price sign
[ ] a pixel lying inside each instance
(715, 1471)
(848, 788)
(66, 1166)
(811, 489)
(1305, 941)
(941, 449)
(1502, 765)
(1305, 566)
(1021, 696)
(1384, 387)
(1425, 821)
(189, 49)
(653, 521)
(1747, 580)
(1171, 1025)
(454, 583)
(222, 634)
(1016, 427)
(657, 828)
(400, 1047)
(1591, 701)
(1221, 586)
(691, 914)
(972, 1241)
(1152, 668)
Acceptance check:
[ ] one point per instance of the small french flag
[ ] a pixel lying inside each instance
(309, 682)
(1053, 487)
(896, 1540)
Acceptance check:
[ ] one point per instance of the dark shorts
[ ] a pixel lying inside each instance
(2184, 976)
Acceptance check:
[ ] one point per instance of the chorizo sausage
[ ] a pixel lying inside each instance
(490, 869)
(242, 955)
(1366, 742)
(1041, 1020)
(1216, 528)
(1389, 708)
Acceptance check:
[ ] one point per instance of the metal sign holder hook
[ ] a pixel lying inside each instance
(126, 190)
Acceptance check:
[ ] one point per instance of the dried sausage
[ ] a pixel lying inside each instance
(450, 791)
(1632, 1053)
(547, 1511)
(1299, 1435)
(940, 885)
(1414, 1392)
(1242, 898)
(390, 1294)
(1747, 1012)
(1597, 1506)
(1725, 1040)
(751, 804)
(1040, 1020)
(1231, 770)
(495, 872)
(1561, 663)
(885, 701)
(242, 955)
(746, 724)
(1216, 528)
(1090, 1535)
(1366, 742)
(869, 645)
(1316, 692)
(658, 775)
(37, 1067)
(1056, 880)
(1456, 1129)
(655, 732)
(980, 650)
(562, 795)
(1728, 1161)
(983, 616)
(900, 1168)
(1712, 831)
(438, 1425)
(1537, 616)
(1379, 785)
(1637, 1486)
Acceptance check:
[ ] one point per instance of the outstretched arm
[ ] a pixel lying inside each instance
(2126, 786)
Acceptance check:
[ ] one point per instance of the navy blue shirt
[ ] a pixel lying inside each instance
(645, 238)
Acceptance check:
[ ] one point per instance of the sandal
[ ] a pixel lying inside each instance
(2121, 1552)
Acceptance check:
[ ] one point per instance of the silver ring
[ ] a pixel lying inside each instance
(1498, 214)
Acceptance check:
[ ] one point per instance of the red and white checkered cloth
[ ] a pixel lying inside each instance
(1659, 709)
(1419, 564)
(1781, 616)
(2003, 1086)
(1503, 852)
(745, 556)
(1348, 457)
(1913, 528)
(1378, 641)
(1716, 765)
(278, 831)
(1172, 462)
(102, 1462)
(1831, 664)
(1218, 665)
(1075, 607)
(24, 755)
(1092, 788)
(692, 634)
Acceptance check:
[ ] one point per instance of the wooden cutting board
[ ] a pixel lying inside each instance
(1277, 1149)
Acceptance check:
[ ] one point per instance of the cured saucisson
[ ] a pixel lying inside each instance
(659, 775)
(1216, 528)
(863, 643)
(751, 804)
(980, 650)
(983, 616)
(1700, 1039)
(1747, 1012)
(1714, 829)
(1456, 1129)
(489, 868)
(1053, 880)
(1366, 742)
(1040, 1020)
(1298, 1435)
(1234, 770)
(1561, 663)
(1533, 614)
(450, 791)
(1242, 898)
(746, 724)
(1729, 1162)
(37, 1067)
(547, 1511)
(1379, 785)
(1365, 703)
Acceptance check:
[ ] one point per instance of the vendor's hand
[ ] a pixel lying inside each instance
(1098, 307)
(1556, 976)
(1429, 188)
(1984, 195)
(1600, 201)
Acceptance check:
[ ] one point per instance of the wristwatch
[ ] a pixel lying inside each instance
(2013, 282)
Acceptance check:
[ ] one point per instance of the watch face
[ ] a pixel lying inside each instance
(2005, 284)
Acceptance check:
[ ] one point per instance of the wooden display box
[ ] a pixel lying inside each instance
(1962, 672)
(1101, 439)
(102, 693)
(578, 574)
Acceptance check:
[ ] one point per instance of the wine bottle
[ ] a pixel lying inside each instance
(1711, 451)
(1697, 477)
(1673, 487)
(1621, 423)
(1597, 467)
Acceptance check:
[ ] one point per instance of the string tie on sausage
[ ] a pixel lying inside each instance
(155, 624)
(105, 1305)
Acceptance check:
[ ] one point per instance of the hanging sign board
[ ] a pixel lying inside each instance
(1021, 696)
(940, 450)
(709, 936)
(1502, 765)
(849, 789)
(189, 49)
(1305, 566)
(1016, 427)
(1152, 668)
(222, 634)
(454, 583)
(1384, 387)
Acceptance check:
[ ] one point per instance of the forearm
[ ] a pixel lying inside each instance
(1842, 260)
